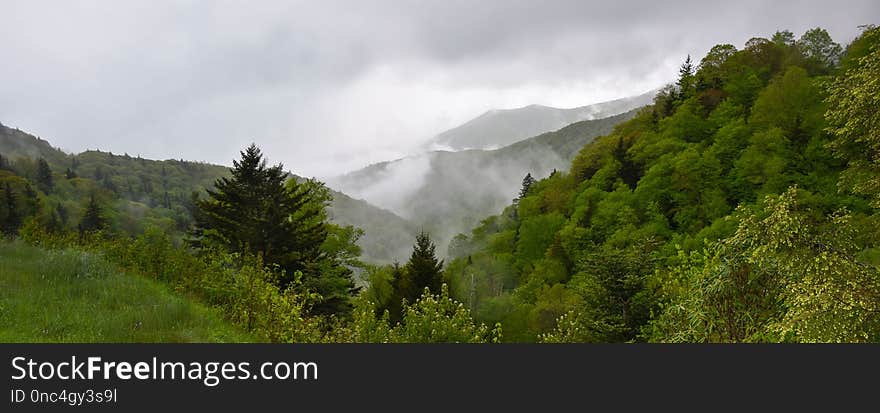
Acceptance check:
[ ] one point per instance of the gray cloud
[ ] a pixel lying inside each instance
(330, 86)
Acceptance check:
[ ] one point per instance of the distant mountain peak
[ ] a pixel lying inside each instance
(501, 127)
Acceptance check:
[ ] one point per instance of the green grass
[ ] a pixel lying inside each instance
(75, 296)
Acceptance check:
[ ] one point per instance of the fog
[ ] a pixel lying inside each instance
(329, 87)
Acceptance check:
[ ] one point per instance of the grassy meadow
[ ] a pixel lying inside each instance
(74, 296)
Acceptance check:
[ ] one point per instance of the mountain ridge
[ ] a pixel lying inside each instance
(497, 128)
(386, 238)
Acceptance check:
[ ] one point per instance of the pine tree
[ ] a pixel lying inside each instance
(12, 222)
(686, 78)
(527, 183)
(256, 211)
(69, 174)
(44, 176)
(4, 163)
(402, 289)
(93, 219)
(423, 268)
(63, 215)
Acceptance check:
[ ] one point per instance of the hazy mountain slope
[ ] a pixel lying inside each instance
(387, 237)
(498, 128)
(449, 192)
(160, 191)
(15, 143)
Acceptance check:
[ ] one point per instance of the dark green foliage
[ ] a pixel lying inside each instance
(254, 212)
(44, 176)
(93, 219)
(686, 79)
(527, 183)
(425, 271)
(393, 285)
(258, 211)
(12, 219)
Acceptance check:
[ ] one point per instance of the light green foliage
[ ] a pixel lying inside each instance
(240, 286)
(791, 103)
(854, 117)
(433, 318)
(70, 295)
(440, 319)
(762, 165)
(535, 236)
(782, 276)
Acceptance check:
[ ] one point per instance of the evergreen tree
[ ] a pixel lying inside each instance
(255, 211)
(44, 176)
(401, 289)
(424, 269)
(69, 174)
(12, 222)
(63, 215)
(527, 183)
(93, 219)
(686, 78)
(4, 163)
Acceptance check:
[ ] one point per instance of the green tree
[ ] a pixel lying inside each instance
(12, 221)
(792, 103)
(254, 212)
(423, 268)
(93, 219)
(821, 51)
(527, 183)
(711, 73)
(686, 78)
(259, 211)
(44, 176)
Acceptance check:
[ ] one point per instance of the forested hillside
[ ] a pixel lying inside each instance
(138, 193)
(718, 214)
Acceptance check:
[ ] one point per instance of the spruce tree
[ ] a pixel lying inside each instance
(93, 219)
(12, 221)
(424, 270)
(402, 288)
(256, 211)
(44, 176)
(686, 78)
(527, 183)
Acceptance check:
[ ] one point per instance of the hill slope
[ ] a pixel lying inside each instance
(159, 192)
(498, 128)
(73, 296)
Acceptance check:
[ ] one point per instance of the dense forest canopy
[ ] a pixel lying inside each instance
(736, 208)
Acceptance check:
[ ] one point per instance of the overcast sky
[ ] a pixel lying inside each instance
(330, 86)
